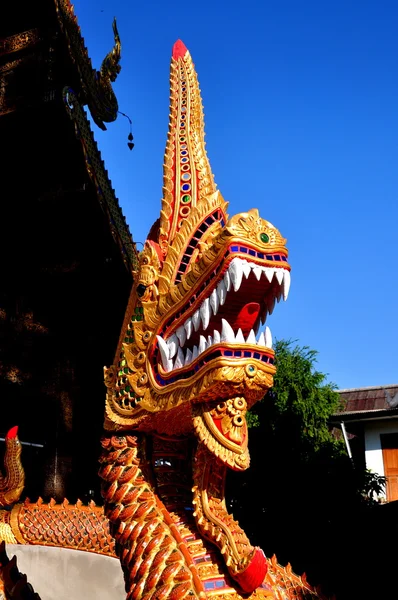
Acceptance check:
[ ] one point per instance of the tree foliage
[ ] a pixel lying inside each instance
(299, 406)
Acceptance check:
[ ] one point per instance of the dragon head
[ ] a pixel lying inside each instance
(191, 355)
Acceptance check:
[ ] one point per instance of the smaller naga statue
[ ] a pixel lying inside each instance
(192, 358)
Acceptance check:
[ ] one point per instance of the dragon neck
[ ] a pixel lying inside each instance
(13, 481)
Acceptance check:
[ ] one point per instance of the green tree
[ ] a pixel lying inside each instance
(299, 405)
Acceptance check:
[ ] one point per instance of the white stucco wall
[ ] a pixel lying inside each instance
(373, 451)
(69, 574)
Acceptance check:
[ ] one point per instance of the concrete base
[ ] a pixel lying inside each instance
(61, 574)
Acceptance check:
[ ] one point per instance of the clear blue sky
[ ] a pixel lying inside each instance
(301, 111)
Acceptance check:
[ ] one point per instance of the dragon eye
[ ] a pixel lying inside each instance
(141, 289)
(264, 238)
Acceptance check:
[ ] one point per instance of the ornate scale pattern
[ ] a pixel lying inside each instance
(154, 558)
(78, 527)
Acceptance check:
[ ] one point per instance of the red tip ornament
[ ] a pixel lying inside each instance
(179, 50)
(12, 433)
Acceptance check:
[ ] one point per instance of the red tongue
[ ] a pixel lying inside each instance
(246, 318)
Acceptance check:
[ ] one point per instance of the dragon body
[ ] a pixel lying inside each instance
(164, 552)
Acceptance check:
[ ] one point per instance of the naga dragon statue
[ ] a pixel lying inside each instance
(190, 362)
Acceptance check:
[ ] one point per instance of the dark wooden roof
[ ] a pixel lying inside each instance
(368, 401)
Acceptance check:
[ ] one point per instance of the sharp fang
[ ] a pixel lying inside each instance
(269, 273)
(209, 341)
(261, 340)
(194, 352)
(222, 292)
(279, 275)
(216, 337)
(268, 337)
(202, 344)
(286, 284)
(227, 333)
(257, 271)
(227, 281)
(188, 357)
(214, 301)
(181, 334)
(251, 338)
(188, 327)
(236, 273)
(246, 269)
(239, 337)
(205, 313)
(179, 362)
(172, 343)
(164, 354)
(196, 320)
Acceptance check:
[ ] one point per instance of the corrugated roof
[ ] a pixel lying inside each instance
(358, 400)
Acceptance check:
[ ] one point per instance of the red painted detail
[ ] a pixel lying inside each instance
(253, 576)
(179, 50)
(12, 433)
(246, 318)
(218, 424)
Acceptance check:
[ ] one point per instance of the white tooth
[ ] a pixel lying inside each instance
(188, 357)
(216, 337)
(286, 284)
(181, 334)
(164, 353)
(257, 271)
(227, 281)
(188, 327)
(261, 339)
(268, 337)
(179, 362)
(236, 273)
(214, 301)
(209, 341)
(227, 333)
(172, 343)
(194, 352)
(251, 338)
(279, 275)
(239, 337)
(269, 273)
(196, 320)
(246, 268)
(202, 344)
(222, 292)
(205, 313)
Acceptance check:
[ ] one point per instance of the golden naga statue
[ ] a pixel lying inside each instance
(190, 362)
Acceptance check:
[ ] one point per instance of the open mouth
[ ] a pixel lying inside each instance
(227, 322)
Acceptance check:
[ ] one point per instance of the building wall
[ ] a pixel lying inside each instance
(373, 450)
